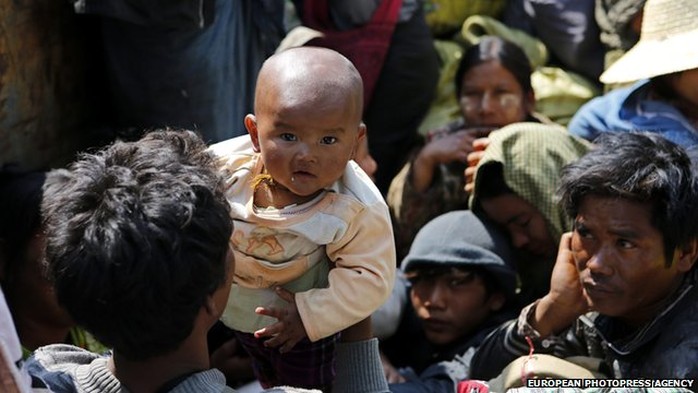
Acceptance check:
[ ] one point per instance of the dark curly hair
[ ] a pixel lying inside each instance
(137, 238)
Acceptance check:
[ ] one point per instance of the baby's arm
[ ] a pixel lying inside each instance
(362, 279)
(360, 282)
(288, 330)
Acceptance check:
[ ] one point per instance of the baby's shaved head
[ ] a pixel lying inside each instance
(312, 75)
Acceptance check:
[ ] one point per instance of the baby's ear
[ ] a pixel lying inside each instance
(362, 130)
(251, 126)
(361, 141)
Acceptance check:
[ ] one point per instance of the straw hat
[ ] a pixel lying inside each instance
(668, 43)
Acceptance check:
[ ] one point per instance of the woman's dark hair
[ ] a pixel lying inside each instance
(492, 182)
(508, 54)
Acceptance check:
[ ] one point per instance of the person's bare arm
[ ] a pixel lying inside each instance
(358, 332)
(450, 148)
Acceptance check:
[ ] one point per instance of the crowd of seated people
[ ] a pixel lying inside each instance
(513, 234)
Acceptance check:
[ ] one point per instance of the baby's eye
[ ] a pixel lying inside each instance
(329, 140)
(288, 137)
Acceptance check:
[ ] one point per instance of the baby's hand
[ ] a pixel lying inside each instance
(288, 330)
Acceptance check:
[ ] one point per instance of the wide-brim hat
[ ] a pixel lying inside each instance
(668, 43)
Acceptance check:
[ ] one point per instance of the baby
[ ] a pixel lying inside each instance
(313, 241)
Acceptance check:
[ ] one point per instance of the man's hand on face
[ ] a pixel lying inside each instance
(566, 300)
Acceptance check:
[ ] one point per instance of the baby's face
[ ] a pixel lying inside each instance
(306, 144)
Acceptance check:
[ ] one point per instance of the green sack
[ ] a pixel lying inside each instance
(444, 108)
(475, 27)
(446, 16)
(560, 93)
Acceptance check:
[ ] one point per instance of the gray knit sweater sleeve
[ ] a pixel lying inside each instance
(359, 370)
(66, 369)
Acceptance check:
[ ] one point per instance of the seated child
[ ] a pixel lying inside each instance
(313, 241)
(462, 284)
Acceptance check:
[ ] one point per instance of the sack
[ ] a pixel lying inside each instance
(477, 26)
(560, 93)
(445, 17)
(444, 107)
(543, 366)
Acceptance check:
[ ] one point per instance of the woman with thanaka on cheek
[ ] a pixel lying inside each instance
(311, 229)
(493, 89)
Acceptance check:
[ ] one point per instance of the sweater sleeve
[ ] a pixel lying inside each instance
(361, 280)
(359, 368)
